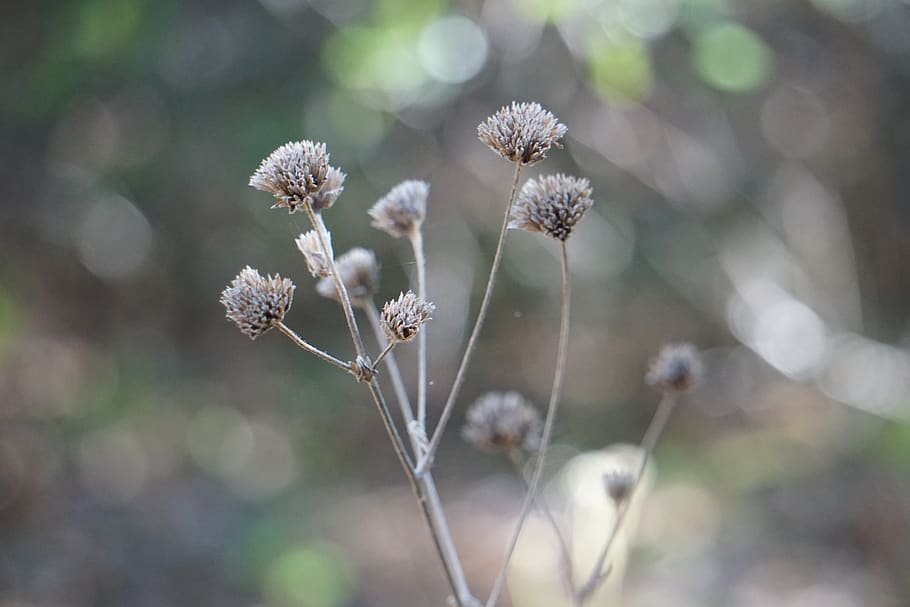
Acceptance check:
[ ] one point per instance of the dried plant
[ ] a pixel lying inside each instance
(299, 176)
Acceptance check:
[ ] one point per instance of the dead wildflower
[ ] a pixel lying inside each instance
(502, 421)
(676, 368)
(256, 304)
(316, 261)
(401, 211)
(299, 172)
(402, 317)
(521, 132)
(551, 205)
(359, 271)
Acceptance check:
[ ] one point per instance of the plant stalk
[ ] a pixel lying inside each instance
(648, 442)
(546, 435)
(302, 343)
(475, 333)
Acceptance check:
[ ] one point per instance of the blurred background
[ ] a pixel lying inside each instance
(751, 172)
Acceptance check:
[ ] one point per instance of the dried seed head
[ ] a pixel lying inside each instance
(402, 317)
(401, 211)
(330, 190)
(551, 205)
(256, 304)
(316, 261)
(619, 485)
(521, 132)
(359, 271)
(296, 172)
(502, 421)
(677, 367)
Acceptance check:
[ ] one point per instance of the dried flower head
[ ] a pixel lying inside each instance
(297, 172)
(316, 261)
(402, 317)
(551, 205)
(330, 190)
(619, 485)
(256, 304)
(502, 420)
(401, 211)
(677, 367)
(521, 132)
(359, 271)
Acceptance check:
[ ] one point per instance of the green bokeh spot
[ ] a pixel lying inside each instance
(545, 11)
(103, 28)
(732, 58)
(375, 59)
(10, 321)
(311, 575)
(620, 71)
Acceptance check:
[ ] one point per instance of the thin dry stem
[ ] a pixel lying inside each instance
(648, 442)
(475, 333)
(436, 515)
(555, 393)
(385, 352)
(429, 506)
(302, 343)
(325, 243)
(565, 554)
(420, 259)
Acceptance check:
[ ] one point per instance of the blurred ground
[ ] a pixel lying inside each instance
(752, 185)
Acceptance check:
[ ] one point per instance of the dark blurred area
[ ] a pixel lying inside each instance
(751, 173)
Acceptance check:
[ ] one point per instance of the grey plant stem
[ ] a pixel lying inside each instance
(385, 352)
(463, 596)
(323, 234)
(648, 442)
(302, 343)
(440, 526)
(475, 333)
(546, 435)
(420, 258)
(565, 555)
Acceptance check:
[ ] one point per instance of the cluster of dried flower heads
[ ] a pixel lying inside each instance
(299, 176)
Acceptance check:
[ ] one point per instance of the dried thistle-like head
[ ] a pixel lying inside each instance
(619, 485)
(316, 261)
(359, 271)
(551, 205)
(402, 317)
(331, 189)
(256, 304)
(502, 421)
(296, 172)
(677, 367)
(521, 132)
(401, 211)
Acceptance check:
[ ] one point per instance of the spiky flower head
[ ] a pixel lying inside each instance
(359, 271)
(316, 261)
(402, 317)
(401, 211)
(551, 205)
(619, 485)
(677, 367)
(502, 421)
(330, 190)
(256, 304)
(521, 132)
(298, 172)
